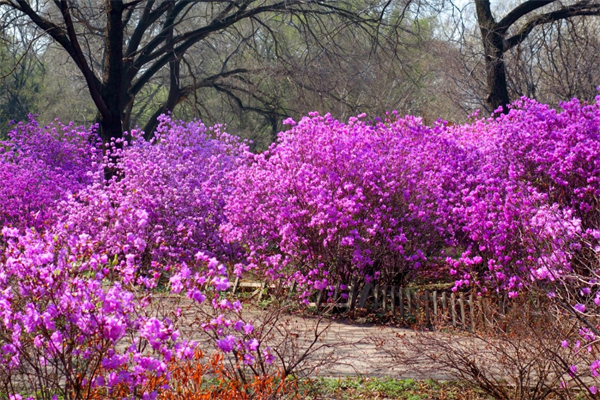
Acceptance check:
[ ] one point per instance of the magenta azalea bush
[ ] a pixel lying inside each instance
(75, 320)
(496, 204)
(167, 200)
(533, 201)
(40, 166)
(82, 259)
(332, 201)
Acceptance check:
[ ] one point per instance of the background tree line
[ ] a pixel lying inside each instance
(252, 63)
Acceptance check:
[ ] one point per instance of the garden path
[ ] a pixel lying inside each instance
(342, 349)
(367, 350)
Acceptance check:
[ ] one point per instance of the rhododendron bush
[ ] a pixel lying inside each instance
(495, 204)
(74, 324)
(334, 201)
(78, 294)
(167, 199)
(39, 166)
(533, 205)
(499, 204)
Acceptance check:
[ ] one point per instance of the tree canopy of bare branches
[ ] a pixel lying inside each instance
(501, 35)
(125, 48)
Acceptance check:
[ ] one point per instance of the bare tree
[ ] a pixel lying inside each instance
(500, 36)
(121, 47)
(559, 62)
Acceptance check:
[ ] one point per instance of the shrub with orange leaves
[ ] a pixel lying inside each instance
(207, 378)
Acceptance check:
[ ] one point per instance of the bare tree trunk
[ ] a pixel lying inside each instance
(111, 126)
(495, 68)
(496, 79)
(496, 41)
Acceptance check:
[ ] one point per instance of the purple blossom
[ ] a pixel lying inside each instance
(249, 359)
(268, 356)
(221, 283)
(252, 345)
(248, 328)
(573, 370)
(227, 344)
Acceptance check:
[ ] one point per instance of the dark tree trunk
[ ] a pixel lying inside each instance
(496, 41)
(496, 78)
(110, 121)
(111, 126)
(156, 37)
(492, 36)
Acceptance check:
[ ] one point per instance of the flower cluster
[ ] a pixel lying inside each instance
(77, 314)
(533, 190)
(60, 318)
(497, 204)
(334, 201)
(167, 200)
(494, 202)
(72, 323)
(40, 166)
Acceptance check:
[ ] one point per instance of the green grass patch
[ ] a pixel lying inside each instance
(354, 388)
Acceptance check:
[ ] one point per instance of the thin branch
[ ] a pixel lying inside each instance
(58, 34)
(520, 11)
(14, 68)
(188, 39)
(583, 8)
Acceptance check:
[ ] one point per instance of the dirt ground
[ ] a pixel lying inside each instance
(337, 348)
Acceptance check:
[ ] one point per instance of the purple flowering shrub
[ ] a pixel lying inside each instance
(494, 202)
(332, 201)
(500, 204)
(532, 203)
(79, 298)
(73, 323)
(167, 201)
(62, 321)
(40, 166)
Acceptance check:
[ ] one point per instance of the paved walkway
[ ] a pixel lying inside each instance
(340, 349)
(367, 350)
(327, 348)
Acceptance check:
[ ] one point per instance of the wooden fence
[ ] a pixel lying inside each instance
(426, 307)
